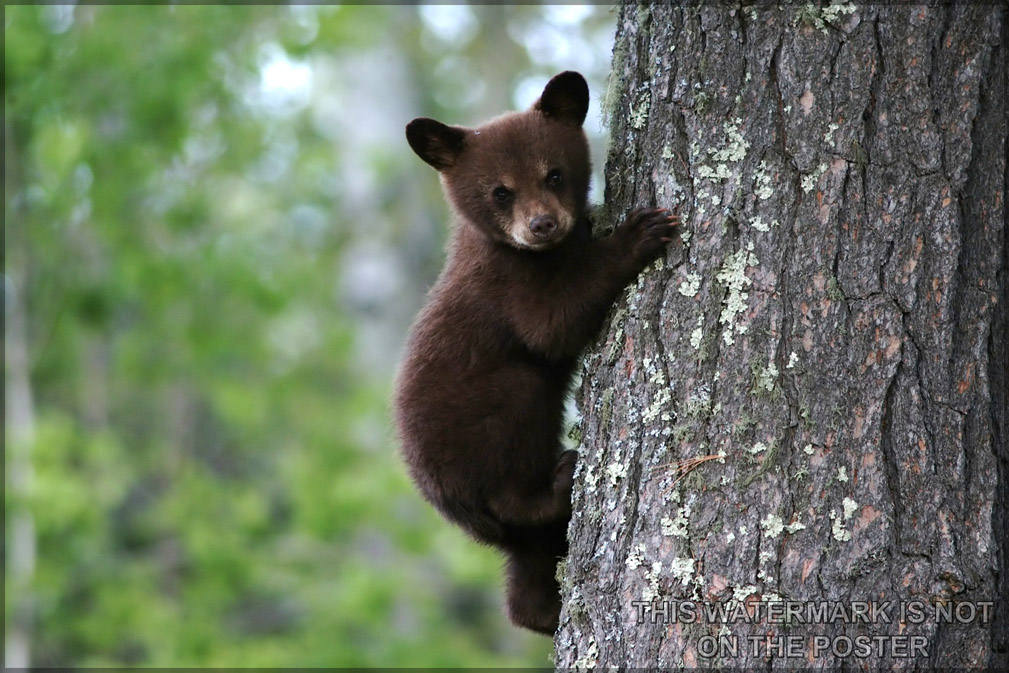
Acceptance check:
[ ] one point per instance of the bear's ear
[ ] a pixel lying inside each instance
(434, 142)
(565, 98)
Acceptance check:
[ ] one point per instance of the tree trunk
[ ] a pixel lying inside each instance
(804, 405)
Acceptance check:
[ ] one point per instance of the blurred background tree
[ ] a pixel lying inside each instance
(215, 239)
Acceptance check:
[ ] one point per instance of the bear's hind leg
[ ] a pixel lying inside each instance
(534, 599)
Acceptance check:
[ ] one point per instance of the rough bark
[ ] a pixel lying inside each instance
(832, 327)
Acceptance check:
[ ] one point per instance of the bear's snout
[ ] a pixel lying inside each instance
(543, 226)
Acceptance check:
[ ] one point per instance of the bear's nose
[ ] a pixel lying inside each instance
(542, 226)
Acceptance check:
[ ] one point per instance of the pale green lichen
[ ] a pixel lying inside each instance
(762, 182)
(660, 402)
(690, 286)
(759, 224)
(818, 17)
(615, 83)
(701, 100)
(758, 447)
(733, 276)
(808, 449)
(772, 525)
(840, 533)
(616, 472)
(639, 112)
(733, 150)
(764, 558)
(741, 593)
(849, 506)
(667, 152)
(834, 291)
(795, 527)
(575, 433)
(699, 402)
(765, 377)
(720, 172)
(736, 146)
(842, 473)
(698, 333)
(682, 569)
(809, 181)
(677, 526)
(837, 528)
(831, 13)
(590, 478)
(561, 574)
(793, 358)
(617, 343)
(656, 375)
(652, 577)
(605, 407)
(828, 137)
(636, 557)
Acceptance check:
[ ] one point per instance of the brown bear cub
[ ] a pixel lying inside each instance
(480, 393)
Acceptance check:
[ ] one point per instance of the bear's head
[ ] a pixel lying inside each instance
(521, 178)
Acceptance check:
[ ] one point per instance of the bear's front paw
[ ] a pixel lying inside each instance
(648, 230)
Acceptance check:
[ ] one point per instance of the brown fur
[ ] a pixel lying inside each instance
(480, 393)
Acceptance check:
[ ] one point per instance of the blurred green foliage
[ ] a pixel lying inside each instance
(215, 238)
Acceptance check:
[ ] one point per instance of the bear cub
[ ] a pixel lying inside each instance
(480, 392)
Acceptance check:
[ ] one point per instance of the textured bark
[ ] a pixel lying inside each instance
(832, 327)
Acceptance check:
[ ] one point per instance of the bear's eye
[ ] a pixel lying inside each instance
(502, 195)
(554, 178)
